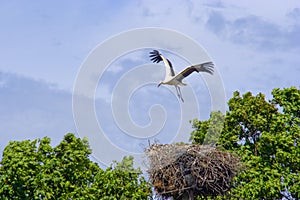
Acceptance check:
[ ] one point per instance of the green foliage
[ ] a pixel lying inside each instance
(208, 132)
(266, 136)
(122, 181)
(35, 170)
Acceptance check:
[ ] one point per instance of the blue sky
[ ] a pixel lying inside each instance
(254, 44)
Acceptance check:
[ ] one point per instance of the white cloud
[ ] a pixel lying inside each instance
(31, 109)
(104, 92)
(274, 12)
(254, 32)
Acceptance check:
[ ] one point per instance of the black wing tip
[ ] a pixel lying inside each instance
(208, 67)
(155, 56)
(208, 63)
(154, 52)
(210, 72)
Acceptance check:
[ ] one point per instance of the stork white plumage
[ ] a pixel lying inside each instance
(176, 80)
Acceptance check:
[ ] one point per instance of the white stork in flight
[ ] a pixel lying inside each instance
(176, 79)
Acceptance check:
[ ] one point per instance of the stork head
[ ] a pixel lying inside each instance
(159, 83)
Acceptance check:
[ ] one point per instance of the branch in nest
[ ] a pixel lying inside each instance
(203, 169)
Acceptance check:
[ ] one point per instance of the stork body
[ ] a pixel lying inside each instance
(171, 78)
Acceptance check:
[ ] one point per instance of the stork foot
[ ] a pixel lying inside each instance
(182, 99)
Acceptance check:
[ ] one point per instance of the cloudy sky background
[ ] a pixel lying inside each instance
(254, 44)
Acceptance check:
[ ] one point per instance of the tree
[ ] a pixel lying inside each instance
(266, 136)
(208, 132)
(35, 170)
(121, 181)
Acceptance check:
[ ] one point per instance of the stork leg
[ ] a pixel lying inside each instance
(179, 93)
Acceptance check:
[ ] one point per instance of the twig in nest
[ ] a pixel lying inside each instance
(202, 169)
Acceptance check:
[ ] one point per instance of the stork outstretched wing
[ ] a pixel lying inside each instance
(156, 57)
(176, 80)
(203, 67)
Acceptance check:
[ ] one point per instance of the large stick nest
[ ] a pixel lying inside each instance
(178, 168)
